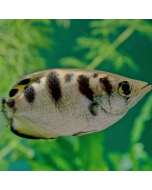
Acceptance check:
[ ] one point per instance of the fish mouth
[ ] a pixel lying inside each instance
(138, 94)
(144, 89)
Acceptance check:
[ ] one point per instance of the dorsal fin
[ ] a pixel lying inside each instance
(25, 81)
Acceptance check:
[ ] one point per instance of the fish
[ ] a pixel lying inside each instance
(68, 102)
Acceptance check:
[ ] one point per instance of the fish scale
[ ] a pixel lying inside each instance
(62, 102)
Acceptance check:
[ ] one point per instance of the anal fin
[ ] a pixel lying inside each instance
(25, 128)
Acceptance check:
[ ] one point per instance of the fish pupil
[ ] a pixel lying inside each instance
(126, 89)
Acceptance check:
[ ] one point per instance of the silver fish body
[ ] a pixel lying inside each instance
(62, 102)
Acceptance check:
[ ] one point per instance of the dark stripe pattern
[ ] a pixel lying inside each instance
(29, 94)
(107, 85)
(83, 82)
(24, 82)
(13, 92)
(68, 77)
(54, 87)
(11, 103)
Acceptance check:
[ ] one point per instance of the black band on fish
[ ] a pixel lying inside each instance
(83, 82)
(13, 92)
(29, 94)
(68, 77)
(107, 85)
(54, 86)
(11, 103)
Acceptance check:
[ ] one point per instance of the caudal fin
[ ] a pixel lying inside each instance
(4, 120)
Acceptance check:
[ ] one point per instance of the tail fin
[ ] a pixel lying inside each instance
(4, 119)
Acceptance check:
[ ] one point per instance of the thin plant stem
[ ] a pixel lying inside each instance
(121, 38)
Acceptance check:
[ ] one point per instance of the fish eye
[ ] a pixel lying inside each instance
(124, 88)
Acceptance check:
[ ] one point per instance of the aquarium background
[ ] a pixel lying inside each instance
(123, 47)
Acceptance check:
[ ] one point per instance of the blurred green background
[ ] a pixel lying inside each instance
(123, 47)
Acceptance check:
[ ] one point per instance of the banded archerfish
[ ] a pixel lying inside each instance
(62, 102)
